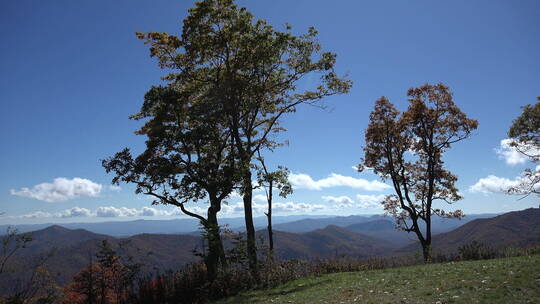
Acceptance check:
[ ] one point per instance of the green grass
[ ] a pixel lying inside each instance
(508, 280)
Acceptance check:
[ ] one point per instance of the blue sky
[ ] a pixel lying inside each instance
(72, 71)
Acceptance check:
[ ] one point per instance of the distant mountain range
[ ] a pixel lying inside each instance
(175, 226)
(355, 236)
(383, 229)
(292, 223)
(439, 225)
(72, 250)
(518, 228)
(331, 241)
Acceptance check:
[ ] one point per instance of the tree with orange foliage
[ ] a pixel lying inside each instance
(104, 282)
(407, 149)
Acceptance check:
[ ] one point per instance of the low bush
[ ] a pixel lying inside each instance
(476, 251)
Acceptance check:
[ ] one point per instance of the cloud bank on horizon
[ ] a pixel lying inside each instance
(64, 189)
(235, 209)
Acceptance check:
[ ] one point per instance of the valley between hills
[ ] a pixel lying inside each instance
(359, 237)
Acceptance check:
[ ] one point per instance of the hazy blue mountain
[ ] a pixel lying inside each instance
(174, 226)
(518, 228)
(331, 241)
(383, 229)
(72, 250)
(310, 224)
(292, 223)
(439, 225)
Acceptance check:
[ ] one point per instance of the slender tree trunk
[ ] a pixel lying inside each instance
(427, 247)
(103, 287)
(91, 295)
(250, 228)
(269, 215)
(426, 251)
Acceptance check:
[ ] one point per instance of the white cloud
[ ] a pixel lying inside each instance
(296, 207)
(61, 189)
(511, 155)
(362, 201)
(260, 198)
(235, 194)
(338, 199)
(493, 184)
(148, 211)
(344, 205)
(194, 209)
(369, 201)
(75, 212)
(304, 181)
(278, 207)
(68, 213)
(115, 188)
(37, 214)
(111, 211)
(236, 209)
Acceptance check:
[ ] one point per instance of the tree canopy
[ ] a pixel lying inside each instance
(525, 135)
(230, 78)
(408, 147)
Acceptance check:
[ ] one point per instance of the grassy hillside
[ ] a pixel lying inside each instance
(509, 280)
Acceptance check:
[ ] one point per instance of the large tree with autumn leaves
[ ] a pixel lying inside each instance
(407, 149)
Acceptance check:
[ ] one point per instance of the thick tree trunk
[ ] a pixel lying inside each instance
(250, 228)
(211, 261)
(222, 257)
(425, 241)
(216, 252)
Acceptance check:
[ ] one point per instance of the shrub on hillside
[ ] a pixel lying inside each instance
(476, 251)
